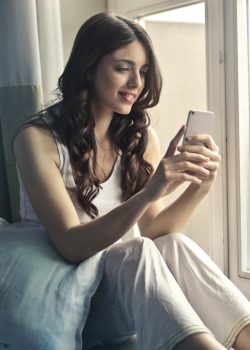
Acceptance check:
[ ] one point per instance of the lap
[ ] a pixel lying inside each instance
(137, 286)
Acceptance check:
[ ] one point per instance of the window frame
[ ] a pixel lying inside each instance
(233, 110)
(243, 136)
(239, 277)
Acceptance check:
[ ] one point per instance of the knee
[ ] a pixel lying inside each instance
(144, 245)
(147, 252)
(131, 249)
(136, 243)
(176, 236)
(174, 242)
(129, 258)
(135, 249)
(143, 241)
(171, 239)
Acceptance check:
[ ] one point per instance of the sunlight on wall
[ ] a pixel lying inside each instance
(179, 40)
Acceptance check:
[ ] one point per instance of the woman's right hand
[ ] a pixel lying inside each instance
(175, 169)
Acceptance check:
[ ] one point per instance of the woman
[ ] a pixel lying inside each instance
(91, 167)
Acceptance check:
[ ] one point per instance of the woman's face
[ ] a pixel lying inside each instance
(119, 79)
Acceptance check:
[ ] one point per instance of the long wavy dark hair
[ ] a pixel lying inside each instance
(97, 37)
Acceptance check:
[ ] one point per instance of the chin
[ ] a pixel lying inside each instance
(124, 110)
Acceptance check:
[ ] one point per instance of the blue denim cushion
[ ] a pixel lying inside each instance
(44, 301)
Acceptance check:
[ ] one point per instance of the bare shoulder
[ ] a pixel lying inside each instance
(153, 137)
(34, 149)
(35, 141)
(152, 152)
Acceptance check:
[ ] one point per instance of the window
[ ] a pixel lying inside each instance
(237, 37)
(243, 16)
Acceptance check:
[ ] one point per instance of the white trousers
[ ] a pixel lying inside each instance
(163, 295)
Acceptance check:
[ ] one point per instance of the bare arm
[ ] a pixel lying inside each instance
(175, 216)
(35, 152)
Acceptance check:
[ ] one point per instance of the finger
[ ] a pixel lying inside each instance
(174, 143)
(211, 177)
(191, 156)
(200, 149)
(207, 140)
(211, 166)
(187, 166)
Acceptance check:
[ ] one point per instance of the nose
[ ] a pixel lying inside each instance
(135, 80)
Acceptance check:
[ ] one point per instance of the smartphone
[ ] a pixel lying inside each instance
(198, 122)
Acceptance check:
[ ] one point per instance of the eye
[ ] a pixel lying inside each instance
(143, 73)
(122, 69)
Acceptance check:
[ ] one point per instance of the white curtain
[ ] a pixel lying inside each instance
(31, 59)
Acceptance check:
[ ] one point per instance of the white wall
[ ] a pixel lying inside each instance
(73, 14)
(182, 59)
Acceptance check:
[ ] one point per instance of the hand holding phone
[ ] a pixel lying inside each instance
(198, 122)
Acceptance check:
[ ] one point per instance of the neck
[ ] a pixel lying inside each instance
(102, 118)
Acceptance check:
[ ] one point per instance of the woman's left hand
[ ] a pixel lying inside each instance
(205, 145)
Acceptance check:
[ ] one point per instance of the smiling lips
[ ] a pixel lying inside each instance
(129, 97)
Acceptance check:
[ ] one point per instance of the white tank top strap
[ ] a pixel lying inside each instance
(61, 150)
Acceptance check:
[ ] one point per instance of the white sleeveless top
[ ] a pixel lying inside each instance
(110, 194)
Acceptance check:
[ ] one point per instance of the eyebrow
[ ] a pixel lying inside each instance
(146, 65)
